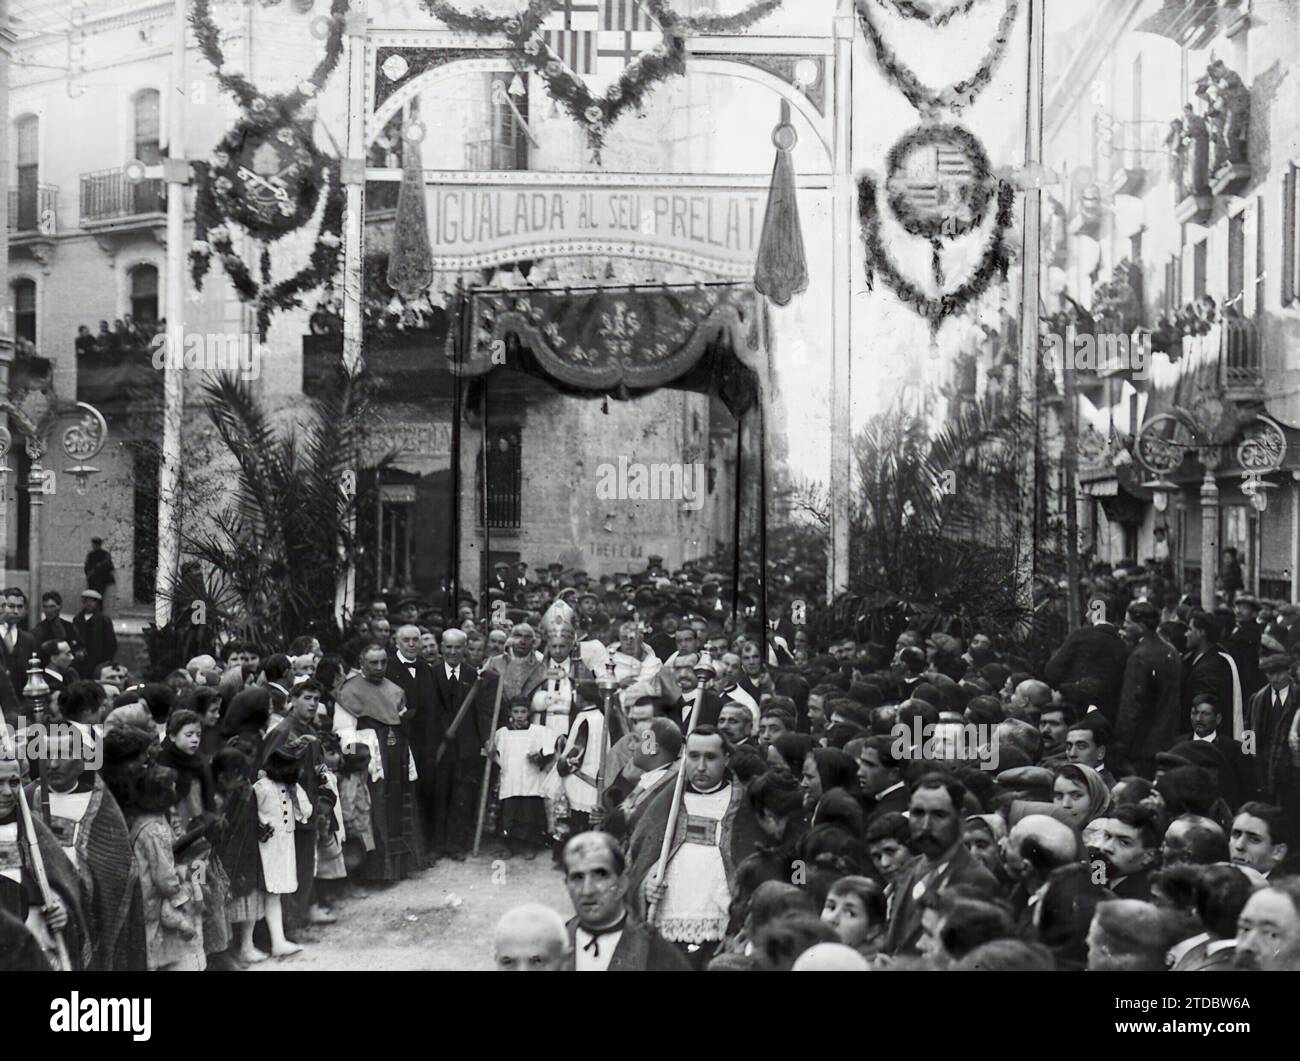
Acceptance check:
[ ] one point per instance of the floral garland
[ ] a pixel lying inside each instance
(932, 228)
(268, 110)
(295, 210)
(995, 262)
(955, 96)
(213, 236)
(936, 19)
(596, 114)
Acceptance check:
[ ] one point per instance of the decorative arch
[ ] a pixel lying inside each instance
(455, 68)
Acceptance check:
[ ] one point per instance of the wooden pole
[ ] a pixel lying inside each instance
(454, 728)
(1027, 376)
(1070, 458)
(678, 788)
(37, 863)
(487, 766)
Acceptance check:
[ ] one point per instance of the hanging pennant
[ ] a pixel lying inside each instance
(782, 267)
(410, 263)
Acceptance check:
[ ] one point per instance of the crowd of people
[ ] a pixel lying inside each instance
(715, 795)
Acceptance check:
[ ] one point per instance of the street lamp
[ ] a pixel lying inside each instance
(1164, 443)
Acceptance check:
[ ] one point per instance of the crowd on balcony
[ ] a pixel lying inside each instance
(125, 334)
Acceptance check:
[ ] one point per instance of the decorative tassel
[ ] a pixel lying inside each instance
(782, 268)
(410, 263)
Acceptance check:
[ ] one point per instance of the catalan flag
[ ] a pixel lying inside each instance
(575, 48)
(627, 16)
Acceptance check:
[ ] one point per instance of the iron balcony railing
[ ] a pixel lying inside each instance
(34, 208)
(106, 195)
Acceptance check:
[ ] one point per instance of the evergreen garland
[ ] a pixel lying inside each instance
(596, 114)
(954, 97)
(994, 264)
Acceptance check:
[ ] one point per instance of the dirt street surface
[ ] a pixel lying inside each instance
(442, 918)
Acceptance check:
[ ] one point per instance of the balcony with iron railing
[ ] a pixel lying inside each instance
(34, 210)
(109, 200)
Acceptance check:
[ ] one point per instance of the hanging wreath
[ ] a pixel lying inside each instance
(267, 176)
(267, 180)
(213, 237)
(268, 110)
(596, 114)
(993, 265)
(955, 96)
(924, 13)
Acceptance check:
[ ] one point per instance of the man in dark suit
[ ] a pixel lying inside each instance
(95, 632)
(880, 775)
(458, 774)
(53, 627)
(1128, 847)
(502, 582)
(1148, 703)
(935, 824)
(604, 936)
(1243, 644)
(690, 672)
(1205, 669)
(16, 645)
(1270, 713)
(415, 678)
(1094, 654)
(1207, 726)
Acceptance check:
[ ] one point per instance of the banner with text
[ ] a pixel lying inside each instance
(717, 229)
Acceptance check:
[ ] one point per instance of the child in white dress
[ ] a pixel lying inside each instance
(524, 750)
(281, 805)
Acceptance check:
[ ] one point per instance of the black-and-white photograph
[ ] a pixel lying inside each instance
(649, 486)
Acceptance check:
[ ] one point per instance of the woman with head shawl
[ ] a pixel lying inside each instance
(983, 835)
(786, 754)
(825, 769)
(1081, 793)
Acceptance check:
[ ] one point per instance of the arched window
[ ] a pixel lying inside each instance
(144, 295)
(27, 156)
(23, 291)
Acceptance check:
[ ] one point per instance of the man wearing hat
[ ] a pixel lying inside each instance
(1149, 695)
(1207, 728)
(521, 583)
(99, 567)
(502, 584)
(1095, 651)
(1272, 714)
(94, 631)
(1243, 643)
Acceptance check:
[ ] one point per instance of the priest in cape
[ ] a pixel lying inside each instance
(373, 710)
(715, 830)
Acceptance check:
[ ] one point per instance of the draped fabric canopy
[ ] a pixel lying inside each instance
(623, 340)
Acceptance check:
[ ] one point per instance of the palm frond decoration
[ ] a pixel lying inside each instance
(267, 564)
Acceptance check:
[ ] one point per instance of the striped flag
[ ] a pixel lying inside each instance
(629, 16)
(573, 14)
(953, 162)
(575, 48)
(922, 196)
